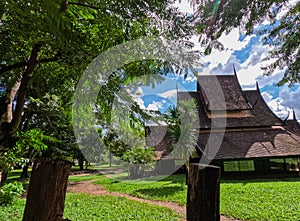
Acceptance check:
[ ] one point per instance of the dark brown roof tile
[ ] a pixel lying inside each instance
(217, 89)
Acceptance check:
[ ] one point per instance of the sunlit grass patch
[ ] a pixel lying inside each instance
(82, 207)
(172, 188)
(267, 199)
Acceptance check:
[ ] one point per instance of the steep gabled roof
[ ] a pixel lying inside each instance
(260, 110)
(254, 144)
(208, 85)
(252, 130)
(293, 124)
(260, 114)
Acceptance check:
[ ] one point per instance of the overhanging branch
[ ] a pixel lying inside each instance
(4, 69)
(26, 76)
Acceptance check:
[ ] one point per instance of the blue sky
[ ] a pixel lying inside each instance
(246, 53)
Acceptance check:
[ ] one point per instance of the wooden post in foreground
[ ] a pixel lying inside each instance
(47, 191)
(203, 196)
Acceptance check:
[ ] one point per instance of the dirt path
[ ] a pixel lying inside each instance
(90, 188)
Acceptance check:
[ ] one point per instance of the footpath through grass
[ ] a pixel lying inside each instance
(270, 200)
(257, 200)
(84, 207)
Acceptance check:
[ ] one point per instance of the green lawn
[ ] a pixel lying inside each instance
(262, 199)
(171, 188)
(15, 174)
(84, 178)
(13, 212)
(83, 207)
(271, 200)
(246, 200)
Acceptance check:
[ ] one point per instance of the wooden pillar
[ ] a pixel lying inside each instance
(203, 196)
(47, 190)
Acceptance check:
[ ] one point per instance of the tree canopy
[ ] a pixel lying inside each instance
(46, 45)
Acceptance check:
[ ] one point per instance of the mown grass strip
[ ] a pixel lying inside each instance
(84, 207)
(268, 199)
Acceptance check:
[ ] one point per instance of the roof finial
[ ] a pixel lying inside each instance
(257, 86)
(294, 115)
(287, 117)
(234, 71)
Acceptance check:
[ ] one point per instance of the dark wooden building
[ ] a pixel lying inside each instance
(253, 139)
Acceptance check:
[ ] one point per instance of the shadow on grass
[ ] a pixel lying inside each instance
(177, 178)
(159, 192)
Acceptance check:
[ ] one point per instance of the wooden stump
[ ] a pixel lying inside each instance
(47, 191)
(203, 196)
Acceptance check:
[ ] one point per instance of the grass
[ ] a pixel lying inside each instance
(267, 199)
(15, 174)
(172, 188)
(262, 199)
(84, 177)
(13, 212)
(83, 207)
(258, 200)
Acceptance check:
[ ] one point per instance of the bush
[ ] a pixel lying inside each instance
(10, 192)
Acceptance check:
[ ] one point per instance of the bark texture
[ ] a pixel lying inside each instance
(203, 196)
(47, 191)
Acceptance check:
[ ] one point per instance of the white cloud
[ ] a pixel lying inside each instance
(276, 105)
(183, 6)
(286, 9)
(190, 78)
(222, 60)
(250, 70)
(155, 106)
(258, 53)
(231, 41)
(291, 98)
(169, 94)
(269, 80)
(267, 97)
(137, 96)
(227, 68)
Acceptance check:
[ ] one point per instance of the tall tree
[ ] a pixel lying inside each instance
(44, 48)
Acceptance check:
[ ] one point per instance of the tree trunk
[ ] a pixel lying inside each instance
(3, 177)
(47, 191)
(203, 196)
(81, 164)
(24, 173)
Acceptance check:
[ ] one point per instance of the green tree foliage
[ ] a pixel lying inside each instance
(183, 129)
(126, 140)
(46, 45)
(217, 17)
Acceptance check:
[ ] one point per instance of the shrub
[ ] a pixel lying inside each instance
(10, 192)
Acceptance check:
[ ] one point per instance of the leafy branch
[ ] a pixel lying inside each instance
(4, 69)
